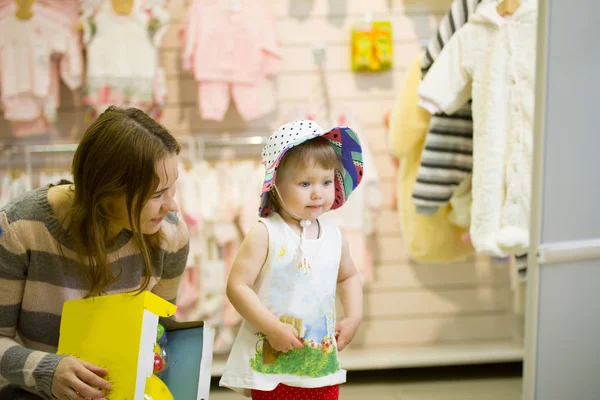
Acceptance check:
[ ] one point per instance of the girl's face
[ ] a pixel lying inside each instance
(155, 209)
(307, 192)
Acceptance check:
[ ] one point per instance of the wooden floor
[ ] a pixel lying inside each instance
(490, 382)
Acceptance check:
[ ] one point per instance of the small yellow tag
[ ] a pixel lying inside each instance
(281, 251)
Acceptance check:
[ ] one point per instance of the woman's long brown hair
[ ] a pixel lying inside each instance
(117, 156)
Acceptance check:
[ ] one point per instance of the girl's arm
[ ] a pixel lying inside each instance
(351, 294)
(244, 272)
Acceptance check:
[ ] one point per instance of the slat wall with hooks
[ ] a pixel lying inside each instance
(415, 314)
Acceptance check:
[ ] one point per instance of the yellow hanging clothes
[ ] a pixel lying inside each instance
(428, 239)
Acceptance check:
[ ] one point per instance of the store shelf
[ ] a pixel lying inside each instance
(436, 355)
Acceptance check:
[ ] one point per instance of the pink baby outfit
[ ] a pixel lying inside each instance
(214, 99)
(34, 54)
(231, 51)
(123, 64)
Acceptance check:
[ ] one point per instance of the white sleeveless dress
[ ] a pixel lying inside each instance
(303, 297)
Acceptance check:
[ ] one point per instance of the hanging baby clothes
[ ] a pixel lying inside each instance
(428, 239)
(231, 49)
(207, 196)
(28, 76)
(123, 60)
(492, 59)
(203, 284)
(65, 13)
(229, 239)
(191, 284)
(201, 293)
(202, 289)
(447, 158)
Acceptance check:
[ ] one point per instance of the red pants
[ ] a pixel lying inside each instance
(283, 392)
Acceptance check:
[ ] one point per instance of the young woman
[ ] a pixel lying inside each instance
(113, 230)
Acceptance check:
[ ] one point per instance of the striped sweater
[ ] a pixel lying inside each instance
(447, 156)
(35, 281)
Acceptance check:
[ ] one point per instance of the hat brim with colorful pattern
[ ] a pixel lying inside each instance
(343, 139)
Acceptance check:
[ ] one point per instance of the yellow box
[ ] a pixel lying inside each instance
(116, 332)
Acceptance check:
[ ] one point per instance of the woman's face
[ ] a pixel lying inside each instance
(160, 203)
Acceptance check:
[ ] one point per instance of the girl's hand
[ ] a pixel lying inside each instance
(345, 331)
(284, 338)
(75, 379)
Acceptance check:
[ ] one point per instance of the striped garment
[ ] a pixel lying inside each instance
(446, 160)
(447, 156)
(35, 281)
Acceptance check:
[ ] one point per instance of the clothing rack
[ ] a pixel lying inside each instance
(205, 140)
(223, 146)
(44, 148)
(198, 146)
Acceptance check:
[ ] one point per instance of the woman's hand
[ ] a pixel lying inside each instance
(75, 379)
(284, 338)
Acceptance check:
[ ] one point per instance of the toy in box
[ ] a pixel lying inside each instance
(121, 333)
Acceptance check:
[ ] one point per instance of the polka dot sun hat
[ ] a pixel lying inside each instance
(343, 139)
